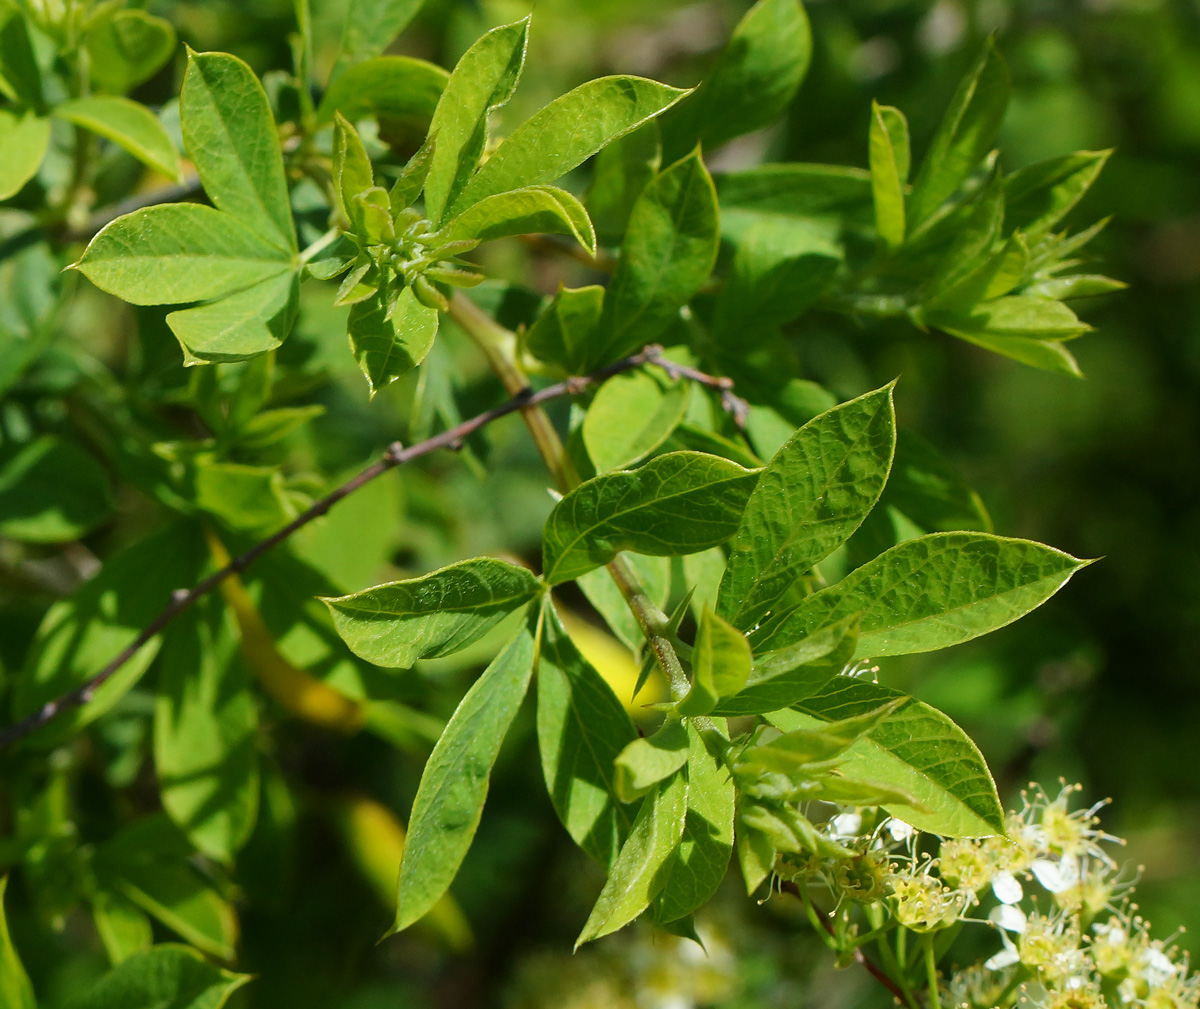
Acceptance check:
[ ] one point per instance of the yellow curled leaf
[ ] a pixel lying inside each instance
(303, 695)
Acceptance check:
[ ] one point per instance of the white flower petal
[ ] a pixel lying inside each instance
(1056, 876)
(846, 825)
(1008, 917)
(899, 830)
(1005, 958)
(1007, 888)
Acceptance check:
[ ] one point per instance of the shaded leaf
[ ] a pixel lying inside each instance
(127, 48)
(889, 154)
(389, 348)
(369, 28)
(388, 88)
(164, 977)
(127, 123)
(677, 503)
(20, 76)
(52, 491)
(565, 333)
(654, 576)
(123, 927)
(15, 988)
(647, 761)
(622, 170)
(1038, 196)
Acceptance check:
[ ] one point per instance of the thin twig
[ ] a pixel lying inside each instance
(872, 968)
(734, 405)
(396, 455)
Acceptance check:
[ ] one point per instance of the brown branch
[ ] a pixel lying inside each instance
(872, 968)
(396, 455)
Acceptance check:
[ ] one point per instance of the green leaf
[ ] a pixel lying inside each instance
(798, 190)
(810, 498)
(916, 749)
(676, 504)
(622, 170)
(565, 333)
(205, 724)
(388, 349)
(781, 265)
(632, 415)
(249, 499)
(1049, 355)
(992, 278)
(702, 857)
(581, 728)
(964, 137)
(1083, 285)
(454, 784)
(129, 124)
(52, 492)
(147, 861)
(640, 870)
(79, 635)
(566, 133)
(528, 211)
(15, 989)
(352, 172)
(1038, 196)
(241, 325)
(752, 83)
(164, 977)
(369, 28)
(1019, 315)
(24, 140)
(721, 661)
(654, 576)
(647, 761)
(123, 927)
(481, 82)
(178, 252)
(668, 252)
(230, 136)
(388, 87)
(127, 48)
(437, 614)
(889, 171)
(780, 678)
(20, 77)
(930, 593)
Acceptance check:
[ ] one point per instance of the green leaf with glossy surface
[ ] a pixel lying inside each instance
(205, 723)
(889, 153)
(51, 492)
(172, 253)
(964, 137)
(678, 503)
(482, 81)
(352, 172)
(567, 132)
(369, 28)
(702, 857)
(752, 83)
(780, 678)
(721, 663)
(641, 869)
(1049, 355)
(581, 728)
(240, 326)
(916, 749)
(231, 138)
(1019, 315)
(632, 415)
(931, 592)
(79, 635)
(388, 87)
(15, 989)
(164, 977)
(565, 333)
(647, 761)
(388, 349)
(668, 252)
(528, 211)
(127, 123)
(436, 614)
(127, 48)
(454, 784)
(24, 140)
(810, 498)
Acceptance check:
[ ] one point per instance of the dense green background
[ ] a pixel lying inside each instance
(1099, 686)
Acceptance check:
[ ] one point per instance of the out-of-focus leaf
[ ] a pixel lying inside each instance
(623, 169)
(387, 87)
(1038, 196)
(124, 928)
(127, 123)
(166, 976)
(24, 139)
(889, 154)
(52, 491)
(369, 28)
(14, 982)
(632, 415)
(20, 77)
(566, 332)
(127, 48)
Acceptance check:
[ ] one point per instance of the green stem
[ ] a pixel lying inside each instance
(320, 245)
(931, 972)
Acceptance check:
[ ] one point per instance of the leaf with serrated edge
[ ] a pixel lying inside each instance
(528, 211)
(931, 592)
(172, 253)
(566, 133)
(231, 138)
(167, 975)
(703, 854)
(127, 123)
(641, 869)
(581, 727)
(667, 255)
(677, 503)
(916, 750)
(482, 81)
(454, 784)
(811, 497)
